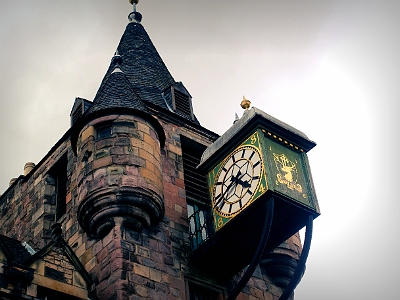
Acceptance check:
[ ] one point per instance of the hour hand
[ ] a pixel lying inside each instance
(234, 178)
(232, 185)
(244, 184)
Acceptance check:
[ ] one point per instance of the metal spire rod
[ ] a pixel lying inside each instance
(134, 2)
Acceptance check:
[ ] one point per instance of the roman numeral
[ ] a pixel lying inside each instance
(256, 164)
(251, 155)
(244, 150)
(218, 198)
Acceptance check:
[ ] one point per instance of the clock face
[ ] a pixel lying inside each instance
(237, 181)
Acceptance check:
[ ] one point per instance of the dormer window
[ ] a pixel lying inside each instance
(179, 100)
(79, 108)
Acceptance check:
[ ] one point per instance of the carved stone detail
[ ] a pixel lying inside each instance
(280, 267)
(138, 208)
(281, 263)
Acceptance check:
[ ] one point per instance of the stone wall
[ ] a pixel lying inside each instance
(28, 207)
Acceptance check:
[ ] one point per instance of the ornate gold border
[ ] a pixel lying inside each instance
(245, 144)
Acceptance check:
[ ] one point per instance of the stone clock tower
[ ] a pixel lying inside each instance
(117, 209)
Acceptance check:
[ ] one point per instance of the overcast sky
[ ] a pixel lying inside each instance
(329, 68)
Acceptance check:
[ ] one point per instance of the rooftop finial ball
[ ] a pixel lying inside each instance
(134, 1)
(245, 104)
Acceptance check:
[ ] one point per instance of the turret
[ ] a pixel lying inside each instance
(118, 142)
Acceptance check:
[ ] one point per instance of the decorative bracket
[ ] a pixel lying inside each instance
(261, 246)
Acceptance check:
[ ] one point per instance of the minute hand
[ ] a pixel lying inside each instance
(239, 180)
(234, 182)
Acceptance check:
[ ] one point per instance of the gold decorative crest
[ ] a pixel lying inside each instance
(287, 172)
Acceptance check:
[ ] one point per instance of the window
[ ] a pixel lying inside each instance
(79, 108)
(59, 173)
(197, 194)
(179, 100)
(76, 114)
(49, 294)
(104, 130)
(201, 290)
(182, 102)
(198, 222)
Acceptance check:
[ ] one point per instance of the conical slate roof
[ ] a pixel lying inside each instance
(116, 92)
(143, 74)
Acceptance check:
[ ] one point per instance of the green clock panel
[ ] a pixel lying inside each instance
(287, 171)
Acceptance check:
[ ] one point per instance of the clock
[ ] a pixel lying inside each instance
(237, 181)
(258, 163)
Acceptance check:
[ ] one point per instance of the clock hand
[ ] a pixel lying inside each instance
(234, 181)
(239, 180)
(245, 184)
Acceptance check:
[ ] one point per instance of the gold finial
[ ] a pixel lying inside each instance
(245, 104)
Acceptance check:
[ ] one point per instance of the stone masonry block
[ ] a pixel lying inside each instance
(142, 251)
(68, 198)
(87, 133)
(131, 150)
(142, 291)
(102, 162)
(137, 161)
(115, 170)
(154, 179)
(141, 270)
(155, 275)
(131, 171)
(129, 180)
(90, 264)
(101, 153)
(123, 159)
(143, 127)
(149, 140)
(175, 149)
(86, 256)
(178, 283)
(107, 293)
(122, 141)
(104, 143)
(117, 150)
(148, 156)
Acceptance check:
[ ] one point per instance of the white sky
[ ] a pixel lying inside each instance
(328, 68)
